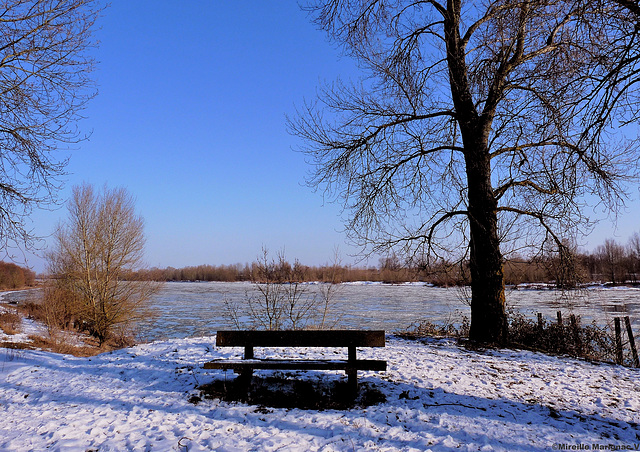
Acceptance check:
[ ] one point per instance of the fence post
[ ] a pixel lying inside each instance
(540, 324)
(616, 322)
(563, 343)
(576, 334)
(632, 342)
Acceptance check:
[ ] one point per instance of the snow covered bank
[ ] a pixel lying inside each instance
(439, 396)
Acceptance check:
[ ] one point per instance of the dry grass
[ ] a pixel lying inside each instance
(10, 323)
(57, 340)
(59, 345)
(17, 345)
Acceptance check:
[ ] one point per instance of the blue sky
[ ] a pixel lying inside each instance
(190, 118)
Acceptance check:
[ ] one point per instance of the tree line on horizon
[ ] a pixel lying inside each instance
(13, 276)
(610, 262)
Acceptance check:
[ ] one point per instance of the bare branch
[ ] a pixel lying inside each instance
(44, 85)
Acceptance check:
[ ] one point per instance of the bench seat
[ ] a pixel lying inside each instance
(299, 364)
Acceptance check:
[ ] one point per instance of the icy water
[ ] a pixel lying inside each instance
(195, 309)
(198, 309)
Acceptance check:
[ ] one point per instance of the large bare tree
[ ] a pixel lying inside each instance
(44, 84)
(477, 127)
(93, 255)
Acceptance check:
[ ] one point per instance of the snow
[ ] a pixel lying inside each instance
(382, 283)
(439, 396)
(29, 327)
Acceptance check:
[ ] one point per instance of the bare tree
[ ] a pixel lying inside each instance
(611, 256)
(563, 266)
(95, 250)
(634, 256)
(44, 84)
(479, 128)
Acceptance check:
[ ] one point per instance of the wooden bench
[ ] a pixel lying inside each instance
(351, 339)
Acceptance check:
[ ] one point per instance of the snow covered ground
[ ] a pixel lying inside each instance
(439, 397)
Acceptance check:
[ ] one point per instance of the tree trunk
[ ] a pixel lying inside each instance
(488, 316)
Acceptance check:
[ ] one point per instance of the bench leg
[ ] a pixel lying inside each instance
(244, 378)
(352, 381)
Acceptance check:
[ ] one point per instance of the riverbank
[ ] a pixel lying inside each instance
(20, 330)
(438, 396)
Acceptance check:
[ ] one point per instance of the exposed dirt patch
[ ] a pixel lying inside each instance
(285, 391)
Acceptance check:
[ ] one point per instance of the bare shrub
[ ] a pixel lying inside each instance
(583, 341)
(328, 293)
(279, 299)
(56, 309)
(326, 306)
(10, 323)
(448, 328)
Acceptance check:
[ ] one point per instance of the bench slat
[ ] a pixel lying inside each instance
(301, 338)
(250, 364)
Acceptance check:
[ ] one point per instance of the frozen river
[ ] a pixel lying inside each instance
(195, 309)
(186, 309)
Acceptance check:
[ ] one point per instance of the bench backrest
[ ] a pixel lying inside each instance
(301, 338)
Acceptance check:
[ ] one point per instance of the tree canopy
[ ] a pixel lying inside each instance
(477, 128)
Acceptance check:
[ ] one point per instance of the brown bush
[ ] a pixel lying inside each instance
(582, 341)
(10, 323)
